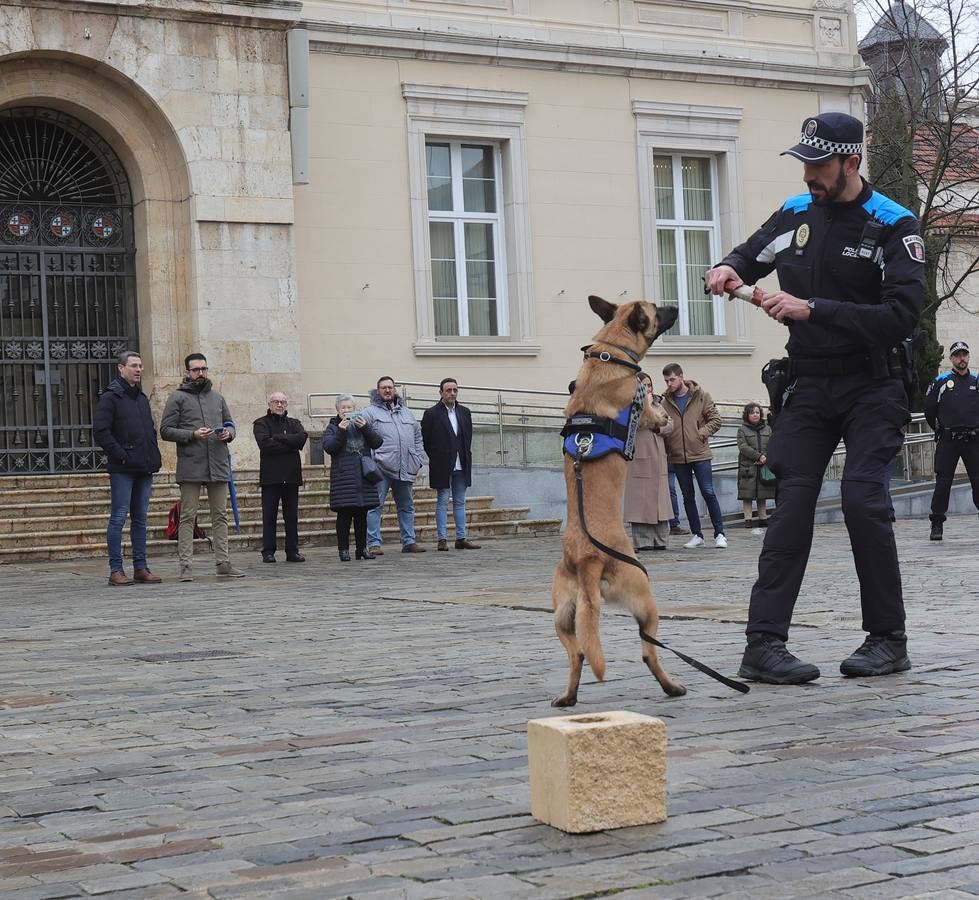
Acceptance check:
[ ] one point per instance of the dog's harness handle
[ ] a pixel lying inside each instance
(632, 561)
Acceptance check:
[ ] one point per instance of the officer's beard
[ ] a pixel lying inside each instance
(833, 193)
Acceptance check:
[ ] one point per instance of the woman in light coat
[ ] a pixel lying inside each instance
(753, 437)
(647, 490)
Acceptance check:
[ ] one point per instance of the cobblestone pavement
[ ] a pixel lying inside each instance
(332, 730)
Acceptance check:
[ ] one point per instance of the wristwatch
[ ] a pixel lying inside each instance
(811, 303)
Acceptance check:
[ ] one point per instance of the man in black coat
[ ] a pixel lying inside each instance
(280, 473)
(123, 428)
(447, 434)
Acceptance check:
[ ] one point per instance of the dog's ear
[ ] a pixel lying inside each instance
(666, 317)
(602, 308)
(638, 321)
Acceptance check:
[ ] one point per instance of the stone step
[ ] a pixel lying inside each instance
(91, 529)
(40, 481)
(249, 503)
(324, 538)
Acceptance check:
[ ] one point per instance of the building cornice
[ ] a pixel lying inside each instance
(706, 66)
(274, 14)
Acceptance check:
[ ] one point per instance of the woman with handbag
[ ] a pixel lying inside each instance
(756, 483)
(349, 440)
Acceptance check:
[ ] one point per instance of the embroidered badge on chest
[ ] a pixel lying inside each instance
(802, 236)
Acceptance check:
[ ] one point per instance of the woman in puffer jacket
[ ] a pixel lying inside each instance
(346, 439)
(753, 437)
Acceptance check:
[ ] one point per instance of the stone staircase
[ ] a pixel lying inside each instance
(64, 516)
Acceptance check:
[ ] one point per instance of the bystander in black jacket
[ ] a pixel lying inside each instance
(279, 439)
(123, 427)
(348, 487)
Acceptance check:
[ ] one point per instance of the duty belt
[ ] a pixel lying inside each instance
(837, 366)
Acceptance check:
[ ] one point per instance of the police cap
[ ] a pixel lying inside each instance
(826, 135)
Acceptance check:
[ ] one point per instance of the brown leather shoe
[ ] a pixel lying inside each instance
(463, 544)
(375, 551)
(145, 576)
(412, 548)
(444, 545)
(119, 579)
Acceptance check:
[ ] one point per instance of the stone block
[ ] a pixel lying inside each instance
(597, 771)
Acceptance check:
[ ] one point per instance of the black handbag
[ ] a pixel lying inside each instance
(369, 469)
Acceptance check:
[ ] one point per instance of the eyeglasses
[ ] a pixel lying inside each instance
(198, 369)
(277, 402)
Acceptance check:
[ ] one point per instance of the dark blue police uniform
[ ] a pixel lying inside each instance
(952, 410)
(859, 264)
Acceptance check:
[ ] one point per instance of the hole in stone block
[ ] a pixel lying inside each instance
(587, 720)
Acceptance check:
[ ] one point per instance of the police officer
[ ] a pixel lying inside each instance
(849, 264)
(952, 410)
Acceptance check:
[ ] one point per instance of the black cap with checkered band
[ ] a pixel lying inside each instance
(826, 135)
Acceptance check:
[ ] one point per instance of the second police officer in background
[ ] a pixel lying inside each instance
(952, 410)
(849, 263)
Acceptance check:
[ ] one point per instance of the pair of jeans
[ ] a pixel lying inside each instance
(458, 490)
(217, 500)
(703, 472)
(272, 495)
(404, 504)
(671, 476)
(130, 496)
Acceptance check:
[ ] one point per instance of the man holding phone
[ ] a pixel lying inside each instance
(198, 420)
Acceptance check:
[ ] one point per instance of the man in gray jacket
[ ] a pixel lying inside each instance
(198, 420)
(399, 458)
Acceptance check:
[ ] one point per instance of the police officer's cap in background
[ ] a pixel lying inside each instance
(958, 347)
(826, 135)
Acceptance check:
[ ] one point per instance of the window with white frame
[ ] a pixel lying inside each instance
(470, 221)
(465, 236)
(687, 239)
(690, 202)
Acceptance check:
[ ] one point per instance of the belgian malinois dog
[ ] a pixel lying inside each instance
(586, 574)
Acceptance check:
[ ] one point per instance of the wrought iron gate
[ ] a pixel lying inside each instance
(67, 288)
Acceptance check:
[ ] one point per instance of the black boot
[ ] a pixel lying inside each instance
(879, 654)
(749, 523)
(363, 554)
(937, 531)
(344, 556)
(766, 659)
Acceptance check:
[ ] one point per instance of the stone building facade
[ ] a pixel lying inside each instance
(322, 192)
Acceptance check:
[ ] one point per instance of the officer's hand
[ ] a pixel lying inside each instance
(781, 306)
(719, 276)
(202, 433)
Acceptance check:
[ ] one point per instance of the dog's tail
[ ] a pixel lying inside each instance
(586, 632)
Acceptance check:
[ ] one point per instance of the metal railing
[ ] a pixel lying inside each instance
(519, 427)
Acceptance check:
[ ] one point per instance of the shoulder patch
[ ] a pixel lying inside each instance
(915, 246)
(797, 204)
(885, 210)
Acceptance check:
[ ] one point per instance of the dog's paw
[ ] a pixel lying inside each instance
(674, 690)
(567, 700)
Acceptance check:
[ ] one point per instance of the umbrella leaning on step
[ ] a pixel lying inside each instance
(232, 490)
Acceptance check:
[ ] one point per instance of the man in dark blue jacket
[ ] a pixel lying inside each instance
(447, 434)
(952, 410)
(124, 429)
(850, 265)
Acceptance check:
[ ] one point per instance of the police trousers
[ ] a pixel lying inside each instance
(947, 456)
(868, 415)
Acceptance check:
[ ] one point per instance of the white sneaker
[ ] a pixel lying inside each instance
(720, 541)
(695, 541)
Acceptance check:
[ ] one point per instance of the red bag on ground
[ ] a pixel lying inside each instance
(173, 524)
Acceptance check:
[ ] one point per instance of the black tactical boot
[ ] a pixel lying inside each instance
(879, 654)
(766, 659)
(936, 531)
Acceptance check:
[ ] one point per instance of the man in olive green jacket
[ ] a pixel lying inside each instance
(198, 420)
(695, 419)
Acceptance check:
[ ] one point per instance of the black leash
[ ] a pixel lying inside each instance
(632, 561)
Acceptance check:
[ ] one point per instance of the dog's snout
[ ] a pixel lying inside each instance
(666, 317)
